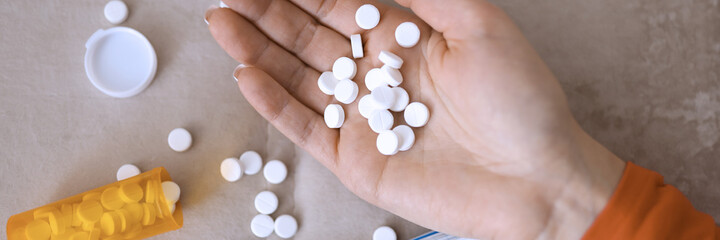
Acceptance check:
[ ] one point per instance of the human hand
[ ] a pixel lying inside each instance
(501, 155)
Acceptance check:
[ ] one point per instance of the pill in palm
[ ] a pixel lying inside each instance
(402, 98)
(384, 233)
(387, 142)
(367, 16)
(179, 139)
(366, 106)
(266, 202)
(334, 116)
(383, 96)
(346, 91)
(262, 225)
(392, 76)
(116, 11)
(286, 226)
(344, 68)
(171, 191)
(390, 59)
(374, 78)
(230, 169)
(275, 171)
(407, 34)
(356, 46)
(406, 137)
(327, 83)
(251, 162)
(127, 171)
(416, 114)
(380, 120)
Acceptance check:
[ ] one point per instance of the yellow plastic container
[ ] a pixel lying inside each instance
(134, 208)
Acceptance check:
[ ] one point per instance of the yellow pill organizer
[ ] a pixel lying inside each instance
(134, 208)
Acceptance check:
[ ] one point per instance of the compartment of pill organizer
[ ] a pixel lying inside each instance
(133, 208)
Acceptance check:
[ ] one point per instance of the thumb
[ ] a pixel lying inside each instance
(459, 18)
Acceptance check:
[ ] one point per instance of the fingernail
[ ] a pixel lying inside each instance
(208, 12)
(237, 69)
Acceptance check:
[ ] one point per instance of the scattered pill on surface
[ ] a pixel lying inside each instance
(380, 120)
(275, 171)
(384, 233)
(366, 106)
(407, 34)
(387, 142)
(327, 83)
(286, 226)
(127, 171)
(262, 225)
(266, 202)
(179, 139)
(116, 11)
(344, 68)
(390, 59)
(230, 169)
(374, 78)
(334, 116)
(416, 114)
(383, 96)
(171, 191)
(392, 76)
(406, 137)
(402, 98)
(346, 91)
(356, 46)
(251, 162)
(367, 16)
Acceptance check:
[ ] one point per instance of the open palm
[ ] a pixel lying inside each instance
(500, 144)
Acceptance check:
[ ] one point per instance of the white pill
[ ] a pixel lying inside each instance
(346, 91)
(275, 171)
(380, 120)
(262, 225)
(383, 96)
(416, 114)
(390, 59)
(384, 233)
(327, 83)
(356, 46)
(407, 34)
(366, 106)
(392, 76)
(116, 11)
(179, 139)
(172, 207)
(230, 169)
(286, 226)
(266, 202)
(251, 162)
(334, 116)
(387, 142)
(367, 16)
(223, 5)
(374, 78)
(344, 68)
(401, 99)
(406, 137)
(127, 171)
(171, 191)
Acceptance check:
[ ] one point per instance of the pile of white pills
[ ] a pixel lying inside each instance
(170, 189)
(386, 95)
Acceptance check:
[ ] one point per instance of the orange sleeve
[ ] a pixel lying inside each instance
(643, 207)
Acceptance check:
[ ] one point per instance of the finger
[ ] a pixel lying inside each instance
(295, 30)
(248, 45)
(457, 18)
(300, 124)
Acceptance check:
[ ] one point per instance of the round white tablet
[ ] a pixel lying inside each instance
(327, 83)
(171, 191)
(402, 98)
(262, 225)
(407, 34)
(179, 139)
(356, 46)
(374, 78)
(393, 77)
(275, 171)
(367, 16)
(251, 162)
(266, 202)
(384, 233)
(116, 11)
(380, 120)
(387, 142)
(230, 169)
(334, 116)
(286, 226)
(366, 106)
(390, 59)
(406, 137)
(344, 68)
(383, 96)
(346, 91)
(416, 114)
(127, 171)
